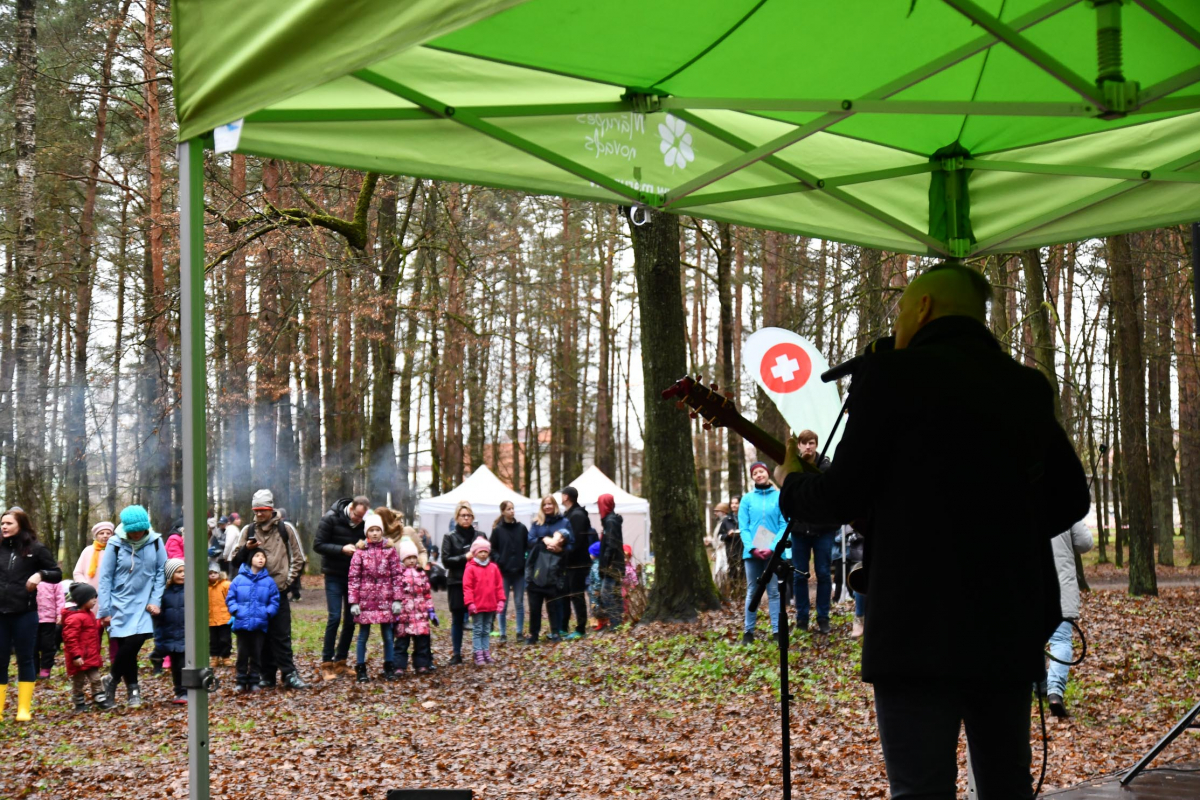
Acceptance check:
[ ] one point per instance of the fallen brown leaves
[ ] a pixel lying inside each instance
(658, 711)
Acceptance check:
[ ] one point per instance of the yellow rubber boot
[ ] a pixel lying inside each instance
(24, 700)
(3, 697)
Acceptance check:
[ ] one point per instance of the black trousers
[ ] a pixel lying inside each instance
(47, 644)
(220, 640)
(177, 660)
(575, 598)
(277, 649)
(918, 730)
(249, 656)
(124, 664)
(536, 599)
(18, 634)
(422, 656)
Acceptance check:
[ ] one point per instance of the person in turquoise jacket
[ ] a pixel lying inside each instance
(132, 580)
(759, 509)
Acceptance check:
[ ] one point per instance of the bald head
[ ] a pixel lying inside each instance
(945, 290)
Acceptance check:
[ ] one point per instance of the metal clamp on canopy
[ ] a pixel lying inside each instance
(203, 678)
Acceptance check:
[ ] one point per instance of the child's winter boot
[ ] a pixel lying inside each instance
(389, 671)
(361, 671)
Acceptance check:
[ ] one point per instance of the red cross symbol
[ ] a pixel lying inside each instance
(785, 368)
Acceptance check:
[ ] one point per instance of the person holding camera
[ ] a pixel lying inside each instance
(991, 480)
(280, 543)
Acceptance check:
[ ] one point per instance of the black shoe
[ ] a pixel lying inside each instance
(455, 660)
(823, 626)
(1057, 707)
(360, 670)
(389, 671)
(748, 637)
(263, 683)
(293, 681)
(103, 702)
(80, 707)
(532, 640)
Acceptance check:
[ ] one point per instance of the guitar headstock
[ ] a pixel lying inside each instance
(706, 401)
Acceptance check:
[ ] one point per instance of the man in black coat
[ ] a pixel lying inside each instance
(338, 533)
(812, 543)
(954, 465)
(578, 563)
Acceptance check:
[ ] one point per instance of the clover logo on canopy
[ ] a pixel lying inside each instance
(676, 145)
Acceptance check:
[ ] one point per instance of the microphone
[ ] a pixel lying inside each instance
(849, 366)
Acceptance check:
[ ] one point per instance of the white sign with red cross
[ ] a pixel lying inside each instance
(788, 367)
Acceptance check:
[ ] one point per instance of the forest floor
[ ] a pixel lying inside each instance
(653, 711)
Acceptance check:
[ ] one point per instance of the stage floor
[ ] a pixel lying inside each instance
(1150, 785)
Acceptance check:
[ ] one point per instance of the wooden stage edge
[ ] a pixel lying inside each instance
(1169, 782)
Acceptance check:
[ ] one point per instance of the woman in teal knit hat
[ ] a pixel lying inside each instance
(131, 589)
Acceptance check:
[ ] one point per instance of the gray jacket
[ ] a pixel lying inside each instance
(1077, 540)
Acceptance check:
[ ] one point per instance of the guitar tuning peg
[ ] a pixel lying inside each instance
(693, 415)
(707, 426)
(714, 387)
(729, 395)
(680, 405)
(699, 378)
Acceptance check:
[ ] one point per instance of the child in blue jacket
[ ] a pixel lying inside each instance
(253, 599)
(169, 626)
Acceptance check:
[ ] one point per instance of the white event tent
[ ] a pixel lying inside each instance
(634, 511)
(485, 492)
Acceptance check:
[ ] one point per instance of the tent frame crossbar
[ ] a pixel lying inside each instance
(1082, 203)
(513, 140)
(909, 79)
(1172, 20)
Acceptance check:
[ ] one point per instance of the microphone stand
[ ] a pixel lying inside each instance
(781, 569)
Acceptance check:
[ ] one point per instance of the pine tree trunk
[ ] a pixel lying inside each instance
(1135, 468)
(236, 389)
(1042, 342)
(682, 581)
(1161, 434)
(729, 378)
(1188, 374)
(381, 448)
(606, 453)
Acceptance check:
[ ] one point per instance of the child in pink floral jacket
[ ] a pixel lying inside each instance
(416, 612)
(374, 594)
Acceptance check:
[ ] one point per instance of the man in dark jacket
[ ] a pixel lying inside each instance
(612, 559)
(815, 543)
(578, 564)
(338, 533)
(950, 442)
(508, 552)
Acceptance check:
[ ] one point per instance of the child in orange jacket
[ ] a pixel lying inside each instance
(220, 635)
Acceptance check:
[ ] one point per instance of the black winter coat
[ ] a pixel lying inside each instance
(581, 526)
(953, 458)
(508, 547)
(612, 547)
(169, 625)
(455, 548)
(804, 529)
(16, 569)
(334, 532)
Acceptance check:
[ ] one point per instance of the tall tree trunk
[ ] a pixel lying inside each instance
(29, 400)
(1135, 468)
(1038, 314)
(682, 581)
(267, 366)
(236, 387)
(606, 453)
(428, 221)
(734, 450)
(1161, 434)
(1189, 406)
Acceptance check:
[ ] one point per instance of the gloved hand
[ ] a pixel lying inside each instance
(396, 608)
(762, 553)
(434, 618)
(500, 608)
(471, 609)
(355, 609)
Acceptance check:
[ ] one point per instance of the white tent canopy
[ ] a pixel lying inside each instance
(485, 492)
(635, 511)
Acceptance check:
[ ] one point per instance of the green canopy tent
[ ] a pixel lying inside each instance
(942, 127)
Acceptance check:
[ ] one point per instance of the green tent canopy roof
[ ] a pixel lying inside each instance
(946, 127)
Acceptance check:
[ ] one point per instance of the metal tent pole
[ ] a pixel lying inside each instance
(197, 676)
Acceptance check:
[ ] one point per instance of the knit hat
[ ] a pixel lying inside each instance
(407, 548)
(480, 545)
(213, 566)
(81, 592)
(594, 550)
(571, 492)
(102, 526)
(173, 566)
(372, 520)
(628, 551)
(134, 519)
(263, 499)
(756, 465)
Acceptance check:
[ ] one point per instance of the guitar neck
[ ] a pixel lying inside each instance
(756, 436)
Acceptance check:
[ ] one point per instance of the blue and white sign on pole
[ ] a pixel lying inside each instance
(788, 368)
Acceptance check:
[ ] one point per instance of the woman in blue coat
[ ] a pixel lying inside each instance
(132, 579)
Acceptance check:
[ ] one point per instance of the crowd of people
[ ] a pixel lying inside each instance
(128, 586)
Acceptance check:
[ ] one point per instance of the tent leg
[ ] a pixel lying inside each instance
(197, 676)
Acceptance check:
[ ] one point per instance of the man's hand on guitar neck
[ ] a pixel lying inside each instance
(792, 462)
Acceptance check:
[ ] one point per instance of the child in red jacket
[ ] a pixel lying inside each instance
(81, 646)
(483, 593)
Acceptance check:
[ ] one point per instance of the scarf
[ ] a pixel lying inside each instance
(97, 550)
(136, 544)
